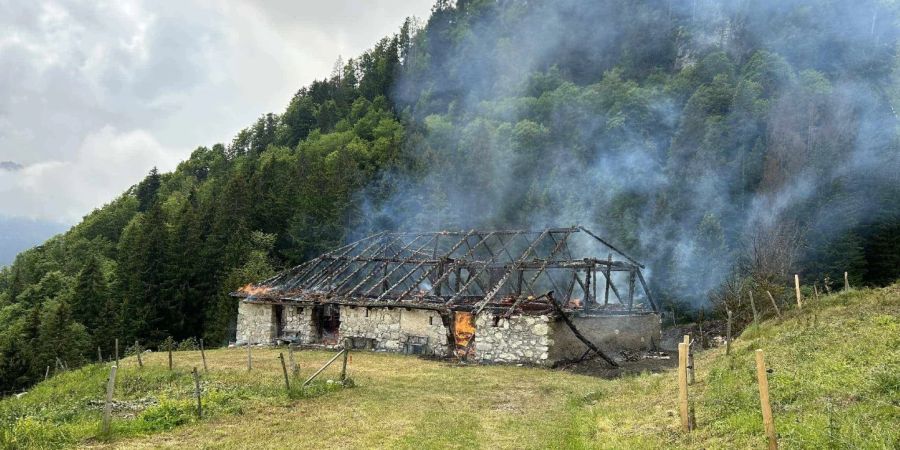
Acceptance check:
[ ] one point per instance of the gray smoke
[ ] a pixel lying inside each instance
(551, 114)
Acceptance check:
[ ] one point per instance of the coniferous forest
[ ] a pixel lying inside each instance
(715, 141)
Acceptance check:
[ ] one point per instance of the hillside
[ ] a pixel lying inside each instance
(834, 384)
(723, 144)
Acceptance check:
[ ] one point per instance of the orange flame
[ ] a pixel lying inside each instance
(252, 290)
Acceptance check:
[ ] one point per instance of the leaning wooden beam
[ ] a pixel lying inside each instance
(633, 261)
(577, 333)
(647, 291)
(313, 376)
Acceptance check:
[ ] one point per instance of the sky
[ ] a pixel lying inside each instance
(94, 94)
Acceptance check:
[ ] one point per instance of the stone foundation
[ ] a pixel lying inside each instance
(391, 328)
(519, 339)
(255, 323)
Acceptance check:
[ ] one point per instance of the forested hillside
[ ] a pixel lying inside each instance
(716, 143)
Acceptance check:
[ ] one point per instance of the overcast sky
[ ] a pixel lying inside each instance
(93, 94)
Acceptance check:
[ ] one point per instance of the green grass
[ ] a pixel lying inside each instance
(835, 384)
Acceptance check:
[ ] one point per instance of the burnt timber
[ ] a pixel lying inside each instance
(500, 271)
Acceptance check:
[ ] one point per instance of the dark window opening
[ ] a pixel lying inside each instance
(496, 321)
(430, 320)
(279, 320)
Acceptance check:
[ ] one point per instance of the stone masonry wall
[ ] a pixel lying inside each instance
(390, 327)
(255, 323)
(613, 332)
(298, 322)
(519, 339)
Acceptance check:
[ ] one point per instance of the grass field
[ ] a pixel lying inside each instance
(835, 384)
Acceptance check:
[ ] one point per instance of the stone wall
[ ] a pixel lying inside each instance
(255, 323)
(611, 332)
(390, 328)
(519, 339)
(298, 323)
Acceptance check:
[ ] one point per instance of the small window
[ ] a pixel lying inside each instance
(430, 320)
(367, 312)
(299, 310)
(496, 321)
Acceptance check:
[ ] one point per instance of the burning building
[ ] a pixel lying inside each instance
(526, 296)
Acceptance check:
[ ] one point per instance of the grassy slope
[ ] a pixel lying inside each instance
(836, 382)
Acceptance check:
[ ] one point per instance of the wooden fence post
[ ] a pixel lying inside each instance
(249, 357)
(295, 369)
(107, 407)
(287, 382)
(683, 386)
(797, 290)
(170, 355)
(846, 281)
(728, 334)
(137, 349)
(768, 422)
(47, 373)
(99, 354)
(344, 366)
(203, 356)
(690, 357)
(197, 394)
(117, 351)
(774, 304)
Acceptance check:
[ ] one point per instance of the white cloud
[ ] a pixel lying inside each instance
(105, 164)
(164, 76)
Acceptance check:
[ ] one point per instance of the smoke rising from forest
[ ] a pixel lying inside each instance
(678, 129)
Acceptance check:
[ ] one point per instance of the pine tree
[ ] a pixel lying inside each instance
(89, 294)
(61, 337)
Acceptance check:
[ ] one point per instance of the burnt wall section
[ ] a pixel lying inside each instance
(613, 332)
(255, 323)
(396, 329)
(519, 339)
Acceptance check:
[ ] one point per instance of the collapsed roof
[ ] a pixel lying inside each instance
(508, 271)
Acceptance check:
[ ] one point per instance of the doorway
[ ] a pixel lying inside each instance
(327, 320)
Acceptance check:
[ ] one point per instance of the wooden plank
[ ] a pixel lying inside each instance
(797, 290)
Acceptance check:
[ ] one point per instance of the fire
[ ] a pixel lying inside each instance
(252, 290)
